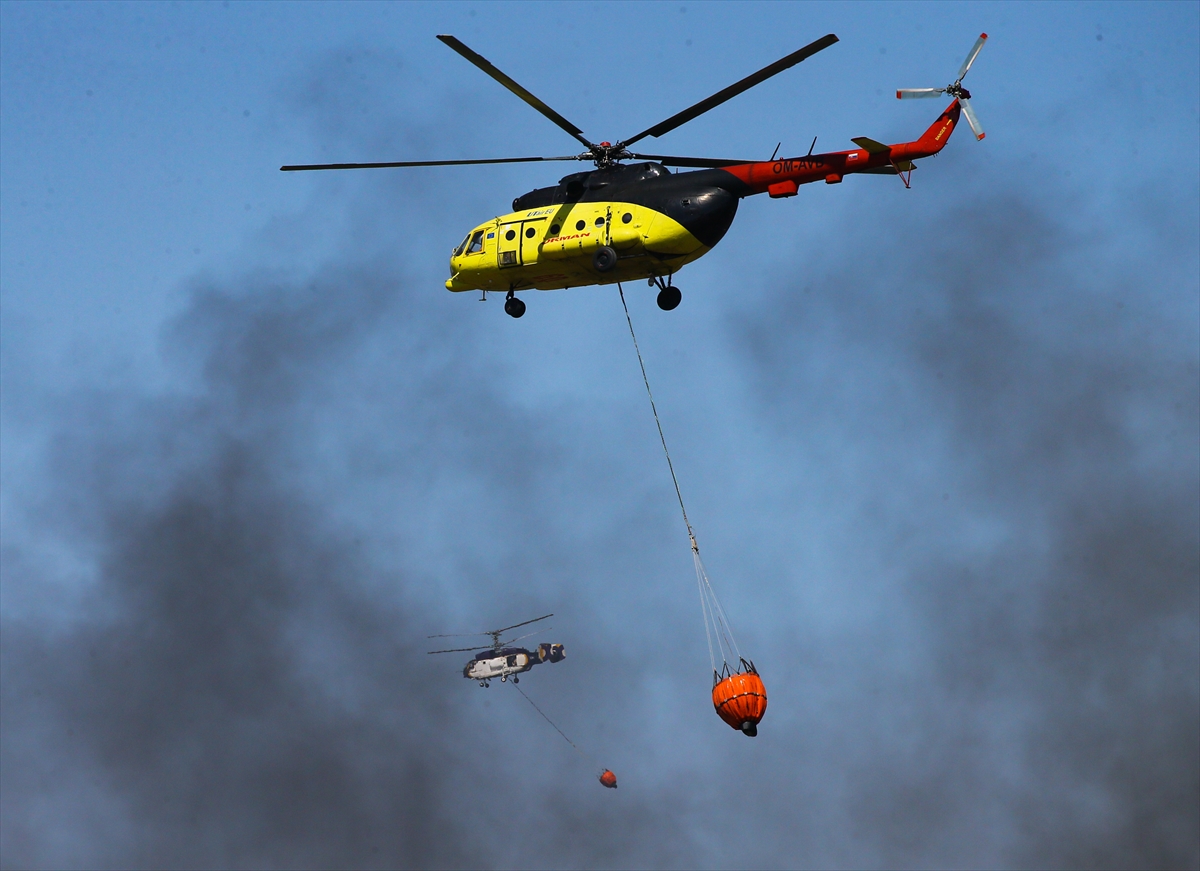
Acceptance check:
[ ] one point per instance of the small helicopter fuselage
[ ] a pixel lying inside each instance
(507, 661)
(501, 659)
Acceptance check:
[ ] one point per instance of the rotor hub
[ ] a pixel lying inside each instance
(606, 154)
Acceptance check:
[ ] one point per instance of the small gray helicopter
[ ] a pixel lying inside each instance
(503, 660)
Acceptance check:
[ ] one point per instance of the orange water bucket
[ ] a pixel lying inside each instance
(741, 700)
(607, 778)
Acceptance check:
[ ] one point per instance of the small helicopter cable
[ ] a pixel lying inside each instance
(607, 778)
(551, 722)
(715, 620)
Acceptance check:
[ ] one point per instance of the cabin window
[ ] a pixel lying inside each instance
(600, 221)
(476, 243)
(626, 218)
(530, 233)
(579, 225)
(510, 235)
(554, 228)
(462, 245)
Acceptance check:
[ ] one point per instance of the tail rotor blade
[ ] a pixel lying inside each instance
(971, 117)
(912, 93)
(971, 58)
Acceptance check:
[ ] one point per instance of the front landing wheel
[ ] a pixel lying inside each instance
(604, 259)
(668, 298)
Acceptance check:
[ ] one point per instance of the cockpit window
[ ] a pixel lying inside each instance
(462, 245)
(476, 243)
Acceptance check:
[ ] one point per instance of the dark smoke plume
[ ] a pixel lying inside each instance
(1017, 411)
(969, 561)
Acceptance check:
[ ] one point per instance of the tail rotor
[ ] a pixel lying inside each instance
(955, 90)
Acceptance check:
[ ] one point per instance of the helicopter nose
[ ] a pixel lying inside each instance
(706, 214)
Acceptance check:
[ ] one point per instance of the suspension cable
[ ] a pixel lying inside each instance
(716, 622)
(556, 729)
(657, 422)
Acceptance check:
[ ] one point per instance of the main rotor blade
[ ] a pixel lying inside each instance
(454, 650)
(971, 57)
(733, 90)
(699, 162)
(910, 93)
(527, 635)
(423, 163)
(460, 635)
(971, 117)
(487, 66)
(515, 625)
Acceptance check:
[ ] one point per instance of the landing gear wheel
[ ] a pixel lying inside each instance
(503, 678)
(668, 298)
(516, 679)
(604, 259)
(514, 307)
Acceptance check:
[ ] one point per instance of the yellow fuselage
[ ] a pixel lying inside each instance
(551, 247)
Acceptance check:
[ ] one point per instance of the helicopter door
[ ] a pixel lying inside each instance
(508, 245)
(532, 233)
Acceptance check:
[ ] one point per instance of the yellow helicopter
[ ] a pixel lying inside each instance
(626, 221)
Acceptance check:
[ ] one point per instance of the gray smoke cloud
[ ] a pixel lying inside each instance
(248, 685)
(1016, 410)
(969, 565)
(334, 473)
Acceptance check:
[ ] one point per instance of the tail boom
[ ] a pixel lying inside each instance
(781, 178)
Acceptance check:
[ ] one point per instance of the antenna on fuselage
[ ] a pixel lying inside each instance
(811, 147)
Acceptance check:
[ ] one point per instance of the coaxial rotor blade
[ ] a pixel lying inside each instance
(733, 90)
(912, 93)
(426, 163)
(527, 635)
(460, 635)
(699, 162)
(487, 66)
(515, 625)
(971, 117)
(971, 57)
(453, 650)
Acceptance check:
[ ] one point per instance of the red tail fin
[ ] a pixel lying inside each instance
(935, 138)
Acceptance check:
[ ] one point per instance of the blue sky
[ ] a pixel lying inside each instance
(939, 445)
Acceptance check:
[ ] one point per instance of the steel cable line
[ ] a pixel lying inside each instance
(715, 620)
